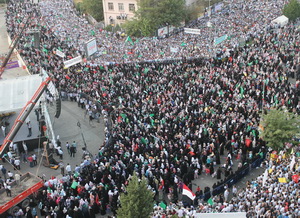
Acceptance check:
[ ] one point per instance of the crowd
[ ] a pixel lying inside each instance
(169, 119)
(265, 196)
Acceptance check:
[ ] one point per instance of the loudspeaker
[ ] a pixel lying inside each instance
(58, 107)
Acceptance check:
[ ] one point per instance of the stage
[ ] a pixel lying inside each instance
(22, 135)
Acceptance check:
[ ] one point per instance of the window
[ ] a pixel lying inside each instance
(110, 6)
(131, 7)
(121, 6)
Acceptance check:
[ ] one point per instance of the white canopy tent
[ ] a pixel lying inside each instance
(15, 93)
(280, 21)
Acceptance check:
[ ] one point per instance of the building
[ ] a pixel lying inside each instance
(118, 11)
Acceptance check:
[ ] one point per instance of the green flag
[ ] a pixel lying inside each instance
(210, 201)
(129, 40)
(146, 70)
(123, 116)
(143, 140)
(74, 185)
(163, 205)
(183, 44)
(92, 32)
(152, 122)
(242, 91)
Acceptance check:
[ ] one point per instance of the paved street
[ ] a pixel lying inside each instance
(66, 127)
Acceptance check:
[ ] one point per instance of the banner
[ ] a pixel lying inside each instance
(192, 31)
(91, 47)
(59, 53)
(174, 49)
(220, 39)
(11, 65)
(72, 62)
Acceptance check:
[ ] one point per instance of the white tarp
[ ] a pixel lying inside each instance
(281, 21)
(15, 93)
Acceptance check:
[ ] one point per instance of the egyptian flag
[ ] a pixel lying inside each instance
(187, 192)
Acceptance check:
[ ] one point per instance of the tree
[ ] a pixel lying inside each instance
(94, 8)
(279, 127)
(292, 10)
(152, 14)
(138, 201)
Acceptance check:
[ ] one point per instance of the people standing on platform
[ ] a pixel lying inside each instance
(29, 129)
(30, 159)
(3, 170)
(10, 175)
(17, 163)
(3, 127)
(34, 158)
(36, 111)
(7, 189)
(18, 178)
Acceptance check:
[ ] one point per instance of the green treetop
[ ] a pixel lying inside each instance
(279, 127)
(138, 201)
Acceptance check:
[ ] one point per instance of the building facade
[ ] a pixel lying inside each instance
(118, 11)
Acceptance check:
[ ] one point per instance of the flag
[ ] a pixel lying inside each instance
(143, 140)
(292, 163)
(242, 92)
(67, 77)
(123, 116)
(282, 180)
(295, 178)
(163, 205)
(210, 201)
(265, 177)
(152, 122)
(92, 32)
(97, 199)
(183, 44)
(146, 70)
(129, 40)
(187, 192)
(74, 185)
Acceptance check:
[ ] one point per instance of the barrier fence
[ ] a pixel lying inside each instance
(234, 178)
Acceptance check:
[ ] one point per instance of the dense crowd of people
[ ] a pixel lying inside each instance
(170, 119)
